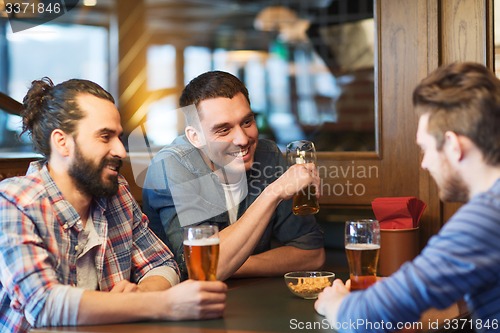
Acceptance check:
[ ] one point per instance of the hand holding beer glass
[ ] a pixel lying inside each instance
(201, 251)
(362, 246)
(305, 202)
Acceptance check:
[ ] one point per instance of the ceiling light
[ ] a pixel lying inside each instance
(89, 3)
(274, 17)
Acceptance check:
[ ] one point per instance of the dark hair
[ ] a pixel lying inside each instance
(47, 107)
(463, 98)
(211, 85)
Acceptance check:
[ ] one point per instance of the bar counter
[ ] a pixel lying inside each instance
(253, 305)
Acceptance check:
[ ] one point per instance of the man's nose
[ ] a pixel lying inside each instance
(118, 149)
(240, 137)
(423, 163)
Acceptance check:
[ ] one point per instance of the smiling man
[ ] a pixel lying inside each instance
(75, 249)
(219, 172)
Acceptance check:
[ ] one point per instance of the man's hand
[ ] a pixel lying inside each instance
(124, 286)
(195, 300)
(329, 300)
(296, 178)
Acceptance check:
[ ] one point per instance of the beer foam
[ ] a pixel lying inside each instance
(362, 246)
(202, 242)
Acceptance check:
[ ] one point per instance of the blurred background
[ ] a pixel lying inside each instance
(308, 64)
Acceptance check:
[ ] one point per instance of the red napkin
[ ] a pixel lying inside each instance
(398, 212)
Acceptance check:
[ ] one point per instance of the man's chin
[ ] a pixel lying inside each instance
(235, 169)
(235, 164)
(462, 197)
(111, 184)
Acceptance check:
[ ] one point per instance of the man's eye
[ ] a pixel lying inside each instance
(248, 122)
(223, 131)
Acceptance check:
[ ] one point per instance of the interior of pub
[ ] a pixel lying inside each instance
(339, 73)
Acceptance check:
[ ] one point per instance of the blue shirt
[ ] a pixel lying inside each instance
(179, 170)
(461, 261)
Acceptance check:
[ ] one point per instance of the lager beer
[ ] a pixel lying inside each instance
(305, 202)
(362, 260)
(202, 256)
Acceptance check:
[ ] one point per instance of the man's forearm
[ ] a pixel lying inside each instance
(159, 278)
(188, 300)
(98, 307)
(239, 239)
(154, 283)
(281, 260)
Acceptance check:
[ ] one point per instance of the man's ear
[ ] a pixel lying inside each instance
(61, 142)
(195, 136)
(454, 146)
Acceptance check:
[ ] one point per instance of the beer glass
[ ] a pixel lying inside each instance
(362, 246)
(201, 251)
(305, 201)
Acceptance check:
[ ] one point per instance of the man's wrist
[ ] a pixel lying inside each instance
(332, 310)
(271, 194)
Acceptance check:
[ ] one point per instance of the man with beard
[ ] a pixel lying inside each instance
(74, 246)
(459, 107)
(220, 173)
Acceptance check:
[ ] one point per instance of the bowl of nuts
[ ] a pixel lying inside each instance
(308, 284)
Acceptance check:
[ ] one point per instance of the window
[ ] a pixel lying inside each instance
(57, 51)
(161, 67)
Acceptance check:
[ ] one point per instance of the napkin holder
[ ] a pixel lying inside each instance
(397, 246)
(399, 233)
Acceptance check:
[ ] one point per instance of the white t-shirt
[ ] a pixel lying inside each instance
(234, 193)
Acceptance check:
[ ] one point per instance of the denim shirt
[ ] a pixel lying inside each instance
(181, 189)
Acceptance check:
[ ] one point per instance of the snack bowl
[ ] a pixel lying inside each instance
(308, 284)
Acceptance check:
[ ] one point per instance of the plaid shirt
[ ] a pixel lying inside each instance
(38, 239)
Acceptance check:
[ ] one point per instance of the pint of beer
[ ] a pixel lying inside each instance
(201, 252)
(305, 201)
(362, 246)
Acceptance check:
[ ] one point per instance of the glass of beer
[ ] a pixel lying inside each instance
(362, 246)
(201, 251)
(305, 201)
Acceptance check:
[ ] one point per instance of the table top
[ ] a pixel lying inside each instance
(253, 305)
(263, 305)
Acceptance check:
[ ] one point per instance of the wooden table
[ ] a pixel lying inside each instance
(253, 305)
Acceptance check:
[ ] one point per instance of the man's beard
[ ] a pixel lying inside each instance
(453, 187)
(88, 176)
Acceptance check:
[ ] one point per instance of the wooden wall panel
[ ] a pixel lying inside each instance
(432, 218)
(463, 31)
(465, 37)
(408, 47)
(350, 179)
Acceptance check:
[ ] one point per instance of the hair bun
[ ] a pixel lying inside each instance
(35, 101)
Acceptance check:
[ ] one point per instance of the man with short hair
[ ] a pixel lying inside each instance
(459, 106)
(219, 172)
(75, 248)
